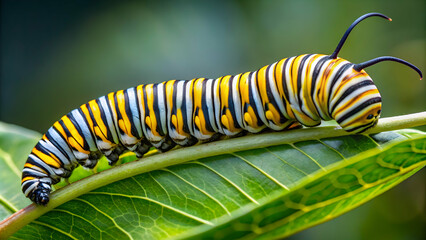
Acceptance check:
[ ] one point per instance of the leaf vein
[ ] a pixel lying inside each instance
(374, 141)
(333, 149)
(9, 162)
(229, 181)
(307, 155)
(140, 185)
(54, 228)
(283, 160)
(106, 215)
(78, 216)
(8, 205)
(158, 203)
(260, 170)
(199, 189)
(165, 190)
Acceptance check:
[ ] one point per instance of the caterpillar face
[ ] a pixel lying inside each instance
(368, 118)
(357, 104)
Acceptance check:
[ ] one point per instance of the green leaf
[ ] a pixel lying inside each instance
(260, 186)
(342, 187)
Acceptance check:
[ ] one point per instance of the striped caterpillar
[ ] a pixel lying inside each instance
(300, 90)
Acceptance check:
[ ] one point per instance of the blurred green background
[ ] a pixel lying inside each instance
(57, 55)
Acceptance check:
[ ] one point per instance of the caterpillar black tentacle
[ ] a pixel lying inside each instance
(300, 90)
(345, 36)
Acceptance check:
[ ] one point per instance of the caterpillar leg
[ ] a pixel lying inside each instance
(186, 141)
(114, 154)
(240, 134)
(166, 144)
(141, 148)
(91, 161)
(214, 137)
(66, 173)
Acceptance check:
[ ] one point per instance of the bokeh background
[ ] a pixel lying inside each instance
(57, 55)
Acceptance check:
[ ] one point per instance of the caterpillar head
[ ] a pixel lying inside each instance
(358, 105)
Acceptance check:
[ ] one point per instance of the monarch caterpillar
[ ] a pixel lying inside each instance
(300, 90)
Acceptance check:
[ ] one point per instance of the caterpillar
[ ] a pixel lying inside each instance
(299, 90)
